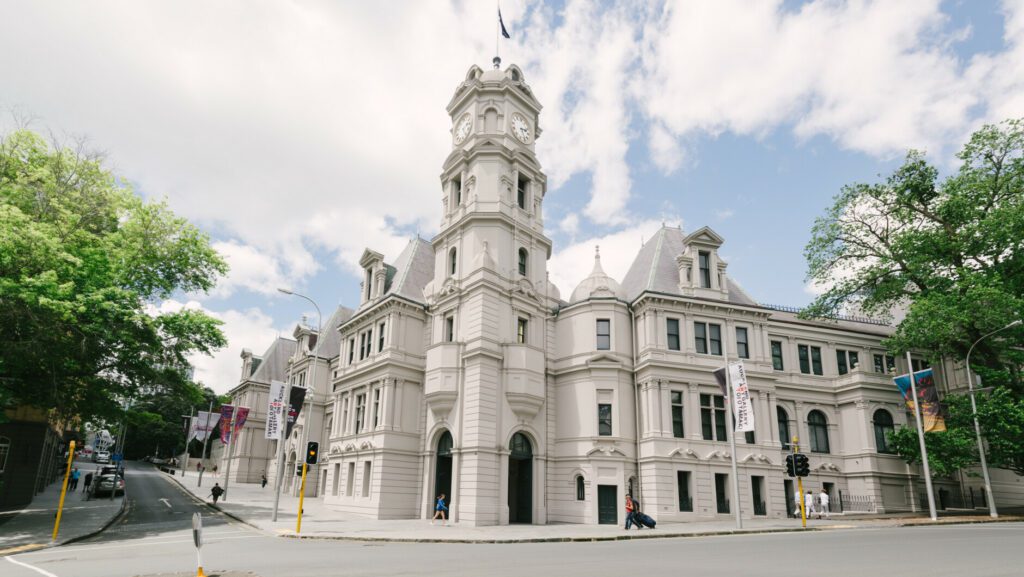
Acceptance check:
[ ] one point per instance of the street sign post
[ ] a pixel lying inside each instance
(197, 536)
(64, 489)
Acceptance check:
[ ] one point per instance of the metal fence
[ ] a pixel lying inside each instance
(954, 498)
(853, 504)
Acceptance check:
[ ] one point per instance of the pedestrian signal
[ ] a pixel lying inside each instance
(803, 467)
(298, 470)
(790, 466)
(312, 453)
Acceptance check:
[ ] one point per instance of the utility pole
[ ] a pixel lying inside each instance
(188, 438)
(206, 443)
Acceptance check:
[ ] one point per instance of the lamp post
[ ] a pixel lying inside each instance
(312, 373)
(977, 428)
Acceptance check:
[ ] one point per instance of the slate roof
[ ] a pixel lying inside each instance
(413, 269)
(275, 361)
(655, 269)
(328, 344)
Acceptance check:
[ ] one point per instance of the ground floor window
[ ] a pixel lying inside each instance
(683, 489)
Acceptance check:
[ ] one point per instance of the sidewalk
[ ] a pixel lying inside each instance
(254, 506)
(32, 527)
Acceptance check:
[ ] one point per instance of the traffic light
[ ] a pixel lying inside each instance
(790, 466)
(803, 467)
(312, 453)
(298, 470)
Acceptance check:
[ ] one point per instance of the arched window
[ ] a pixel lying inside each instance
(523, 257)
(452, 261)
(444, 445)
(520, 447)
(817, 426)
(884, 429)
(784, 435)
(581, 493)
(5, 449)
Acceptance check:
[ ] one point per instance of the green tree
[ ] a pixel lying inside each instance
(83, 262)
(1001, 416)
(950, 250)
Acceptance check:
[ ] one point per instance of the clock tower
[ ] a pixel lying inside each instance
(490, 304)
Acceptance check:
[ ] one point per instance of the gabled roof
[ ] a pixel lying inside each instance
(275, 361)
(413, 269)
(328, 345)
(655, 268)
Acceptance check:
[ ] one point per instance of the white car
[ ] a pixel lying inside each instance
(101, 457)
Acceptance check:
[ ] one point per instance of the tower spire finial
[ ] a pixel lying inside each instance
(497, 62)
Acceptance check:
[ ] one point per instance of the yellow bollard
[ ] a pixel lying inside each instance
(302, 495)
(64, 489)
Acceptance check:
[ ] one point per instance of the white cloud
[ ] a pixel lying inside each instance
(251, 269)
(251, 329)
(570, 225)
(724, 213)
(573, 263)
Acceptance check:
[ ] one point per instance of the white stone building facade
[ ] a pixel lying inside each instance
(463, 370)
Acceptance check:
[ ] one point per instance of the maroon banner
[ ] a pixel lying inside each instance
(226, 411)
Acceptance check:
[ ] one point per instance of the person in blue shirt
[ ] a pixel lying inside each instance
(440, 509)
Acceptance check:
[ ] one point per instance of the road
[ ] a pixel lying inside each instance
(155, 538)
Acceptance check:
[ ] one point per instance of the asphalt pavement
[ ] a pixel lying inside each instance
(154, 538)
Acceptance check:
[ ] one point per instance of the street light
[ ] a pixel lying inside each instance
(977, 428)
(312, 374)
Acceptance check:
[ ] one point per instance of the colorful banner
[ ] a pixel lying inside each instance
(206, 422)
(928, 395)
(295, 400)
(226, 412)
(274, 404)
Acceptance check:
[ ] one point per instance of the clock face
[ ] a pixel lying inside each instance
(462, 129)
(520, 127)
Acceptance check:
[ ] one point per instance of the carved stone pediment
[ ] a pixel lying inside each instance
(606, 450)
(684, 453)
(524, 287)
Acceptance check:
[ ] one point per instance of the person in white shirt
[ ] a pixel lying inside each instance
(809, 504)
(823, 499)
(796, 504)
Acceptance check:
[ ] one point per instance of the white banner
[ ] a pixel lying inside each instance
(205, 424)
(274, 404)
(743, 412)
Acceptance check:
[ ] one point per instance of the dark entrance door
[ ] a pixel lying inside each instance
(443, 468)
(607, 501)
(791, 503)
(520, 480)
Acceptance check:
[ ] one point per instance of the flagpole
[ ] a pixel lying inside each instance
(231, 446)
(188, 437)
(206, 443)
(731, 429)
(497, 34)
(920, 440)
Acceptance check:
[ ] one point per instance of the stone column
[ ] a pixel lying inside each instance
(692, 410)
(387, 402)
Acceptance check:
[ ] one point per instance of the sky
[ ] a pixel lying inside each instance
(298, 134)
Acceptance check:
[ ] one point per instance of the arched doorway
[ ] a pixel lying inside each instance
(443, 467)
(520, 480)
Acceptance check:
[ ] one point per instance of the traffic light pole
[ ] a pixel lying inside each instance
(800, 484)
(302, 495)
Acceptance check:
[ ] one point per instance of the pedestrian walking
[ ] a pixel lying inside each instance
(73, 484)
(263, 481)
(823, 503)
(215, 470)
(809, 504)
(440, 509)
(87, 482)
(630, 509)
(199, 467)
(796, 503)
(216, 492)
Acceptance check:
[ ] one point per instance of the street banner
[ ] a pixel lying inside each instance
(226, 413)
(928, 395)
(742, 410)
(205, 425)
(295, 400)
(190, 428)
(274, 404)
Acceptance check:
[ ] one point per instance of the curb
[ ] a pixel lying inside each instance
(17, 550)
(196, 499)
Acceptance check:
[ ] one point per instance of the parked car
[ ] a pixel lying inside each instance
(101, 457)
(107, 483)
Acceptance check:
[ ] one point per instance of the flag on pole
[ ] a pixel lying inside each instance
(928, 395)
(205, 423)
(296, 398)
(226, 412)
(274, 404)
(501, 23)
(742, 411)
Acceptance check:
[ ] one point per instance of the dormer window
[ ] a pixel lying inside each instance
(369, 284)
(523, 257)
(522, 187)
(704, 262)
(452, 262)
